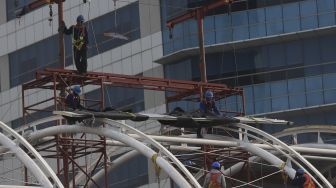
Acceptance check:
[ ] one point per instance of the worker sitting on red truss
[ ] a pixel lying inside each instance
(207, 105)
(215, 178)
(73, 99)
(80, 41)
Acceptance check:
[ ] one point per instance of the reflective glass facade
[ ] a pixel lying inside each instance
(26, 61)
(259, 19)
(282, 53)
(128, 99)
(13, 5)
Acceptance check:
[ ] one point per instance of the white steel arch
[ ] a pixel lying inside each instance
(249, 128)
(149, 153)
(26, 160)
(120, 160)
(283, 146)
(45, 167)
(157, 145)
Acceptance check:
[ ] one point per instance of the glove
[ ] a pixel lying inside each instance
(61, 27)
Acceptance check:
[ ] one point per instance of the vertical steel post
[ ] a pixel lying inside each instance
(243, 103)
(25, 122)
(60, 34)
(65, 166)
(202, 64)
(102, 96)
(105, 164)
(73, 163)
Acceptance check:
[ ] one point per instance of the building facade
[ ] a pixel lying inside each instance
(282, 52)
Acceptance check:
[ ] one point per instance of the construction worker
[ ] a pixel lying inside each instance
(207, 105)
(303, 180)
(79, 41)
(73, 99)
(215, 178)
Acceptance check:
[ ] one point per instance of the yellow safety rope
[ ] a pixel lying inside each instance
(157, 167)
(283, 174)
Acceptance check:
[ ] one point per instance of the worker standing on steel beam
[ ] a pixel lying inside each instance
(303, 180)
(215, 178)
(80, 41)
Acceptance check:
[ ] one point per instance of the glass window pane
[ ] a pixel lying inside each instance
(311, 51)
(248, 93)
(223, 28)
(308, 11)
(261, 91)
(314, 98)
(291, 13)
(261, 58)
(279, 88)
(257, 23)
(209, 30)
(296, 86)
(328, 48)
(329, 96)
(240, 25)
(279, 103)
(297, 101)
(276, 55)
(249, 108)
(326, 15)
(294, 53)
(178, 37)
(274, 20)
(262, 106)
(329, 81)
(313, 83)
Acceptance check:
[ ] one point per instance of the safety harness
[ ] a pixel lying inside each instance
(78, 44)
(213, 180)
(309, 182)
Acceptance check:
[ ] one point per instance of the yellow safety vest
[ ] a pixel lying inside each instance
(78, 44)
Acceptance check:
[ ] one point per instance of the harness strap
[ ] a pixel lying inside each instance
(157, 167)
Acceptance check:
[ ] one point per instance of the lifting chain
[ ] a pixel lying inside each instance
(50, 19)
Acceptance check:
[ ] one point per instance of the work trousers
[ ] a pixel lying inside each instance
(80, 57)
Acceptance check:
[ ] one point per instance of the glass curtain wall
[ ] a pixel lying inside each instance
(254, 20)
(275, 77)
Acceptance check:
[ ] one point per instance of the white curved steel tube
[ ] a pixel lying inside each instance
(158, 146)
(45, 167)
(231, 143)
(165, 165)
(120, 160)
(26, 160)
(280, 150)
(80, 177)
(285, 146)
(37, 122)
(272, 159)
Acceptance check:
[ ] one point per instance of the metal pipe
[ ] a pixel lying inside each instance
(114, 164)
(286, 147)
(61, 35)
(26, 160)
(202, 64)
(149, 153)
(157, 145)
(46, 168)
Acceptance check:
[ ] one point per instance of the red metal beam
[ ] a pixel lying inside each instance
(150, 83)
(201, 10)
(39, 3)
